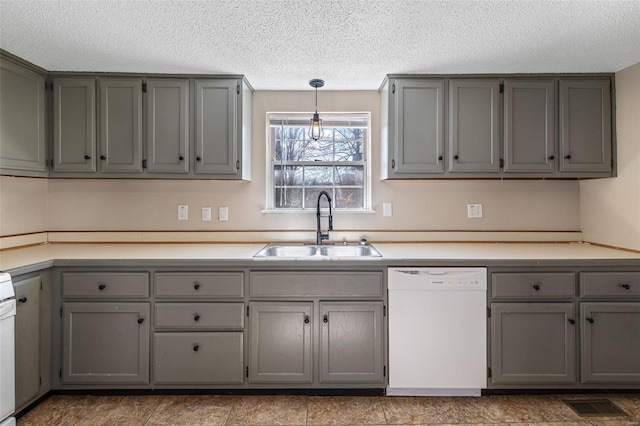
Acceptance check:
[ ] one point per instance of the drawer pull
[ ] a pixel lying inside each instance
(571, 321)
(536, 287)
(102, 287)
(196, 317)
(325, 319)
(140, 320)
(625, 286)
(196, 348)
(591, 321)
(306, 319)
(196, 285)
(23, 299)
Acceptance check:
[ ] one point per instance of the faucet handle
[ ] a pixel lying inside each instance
(330, 223)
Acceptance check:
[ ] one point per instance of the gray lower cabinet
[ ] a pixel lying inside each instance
(351, 346)
(27, 339)
(74, 125)
(474, 125)
(105, 342)
(198, 358)
(120, 124)
(533, 343)
(610, 342)
(529, 126)
(585, 126)
(167, 125)
(22, 120)
(280, 344)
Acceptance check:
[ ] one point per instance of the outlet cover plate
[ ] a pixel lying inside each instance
(474, 211)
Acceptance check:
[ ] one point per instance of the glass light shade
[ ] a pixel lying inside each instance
(315, 127)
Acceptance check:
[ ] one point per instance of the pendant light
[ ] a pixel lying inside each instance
(315, 126)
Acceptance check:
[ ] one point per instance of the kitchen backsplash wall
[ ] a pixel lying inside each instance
(83, 204)
(610, 208)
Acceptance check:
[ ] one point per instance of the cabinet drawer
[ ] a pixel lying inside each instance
(316, 284)
(105, 284)
(199, 316)
(200, 284)
(610, 284)
(533, 285)
(198, 358)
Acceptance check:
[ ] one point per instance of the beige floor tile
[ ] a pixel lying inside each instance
(269, 410)
(192, 410)
(330, 410)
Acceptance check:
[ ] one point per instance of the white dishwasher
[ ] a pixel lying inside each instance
(7, 351)
(437, 331)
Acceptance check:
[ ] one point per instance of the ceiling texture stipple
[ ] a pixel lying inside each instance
(351, 44)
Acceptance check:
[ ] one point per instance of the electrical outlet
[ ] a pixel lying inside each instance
(387, 209)
(223, 214)
(474, 211)
(183, 212)
(206, 214)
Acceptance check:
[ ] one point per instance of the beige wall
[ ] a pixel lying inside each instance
(23, 205)
(83, 204)
(610, 208)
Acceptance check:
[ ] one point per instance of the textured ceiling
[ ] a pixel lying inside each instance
(352, 44)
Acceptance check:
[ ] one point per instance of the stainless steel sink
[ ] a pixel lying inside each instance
(295, 251)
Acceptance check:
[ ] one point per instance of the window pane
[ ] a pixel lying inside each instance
(349, 198)
(289, 150)
(320, 175)
(321, 150)
(287, 175)
(289, 198)
(350, 175)
(311, 197)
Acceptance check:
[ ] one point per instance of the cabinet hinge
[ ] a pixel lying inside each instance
(384, 371)
(238, 89)
(247, 310)
(488, 312)
(393, 88)
(489, 372)
(144, 87)
(144, 163)
(247, 371)
(502, 88)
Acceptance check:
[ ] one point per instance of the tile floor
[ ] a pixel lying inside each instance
(194, 410)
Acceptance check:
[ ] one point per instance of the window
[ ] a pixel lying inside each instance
(299, 167)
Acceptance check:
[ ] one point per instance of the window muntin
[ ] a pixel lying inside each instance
(300, 167)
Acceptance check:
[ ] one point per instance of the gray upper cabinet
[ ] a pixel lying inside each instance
(27, 339)
(418, 136)
(22, 120)
(217, 132)
(351, 342)
(606, 326)
(280, 349)
(474, 120)
(74, 125)
(529, 126)
(120, 122)
(167, 125)
(585, 126)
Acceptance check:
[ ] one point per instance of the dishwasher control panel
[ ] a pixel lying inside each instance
(438, 278)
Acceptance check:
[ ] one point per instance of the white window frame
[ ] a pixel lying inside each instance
(334, 119)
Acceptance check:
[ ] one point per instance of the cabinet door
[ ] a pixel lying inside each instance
(529, 126)
(22, 128)
(105, 343)
(351, 342)
(216, 127)
(27, 339)
(610, 342)
(74, 125)
(585, 126)
(474, 119)
(533, 343)
(120, 125)
(418, 145)
(167, 136)
(280, 343)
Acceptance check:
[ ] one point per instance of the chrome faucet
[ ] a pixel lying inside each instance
(319, 235)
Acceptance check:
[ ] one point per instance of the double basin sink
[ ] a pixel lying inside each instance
(301, 251)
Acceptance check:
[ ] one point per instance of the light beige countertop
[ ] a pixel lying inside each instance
(45, 255)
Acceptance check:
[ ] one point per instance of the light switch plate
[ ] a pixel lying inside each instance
(183, 212)
(206, 214)
(223, 214)
(474, 211)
